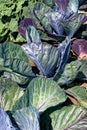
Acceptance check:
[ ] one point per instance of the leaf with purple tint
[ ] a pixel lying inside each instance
(79, 46)
(41, 11)
(64, 50)
(72, 8)
(85, 19)
(62, 4)
(55, 19)
(27, 118)
(72, 24)
(23, 25)
(69, 118)
(50, 19)
(5, 122)
(47, 58)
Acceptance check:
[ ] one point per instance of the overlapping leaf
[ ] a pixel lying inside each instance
(68, 73)
(12, 58)
(18, 78)
(27, 118)
(79, 46)
(10, 50)
(80, 94)
(5, 122)
(59, 21)
(72, 25)
(82, 72)
(68, 118)
(40, 11)
(72, 8)
(46, 57)
(41, 93)
(23, 25)
(10, 92)
(62, 5)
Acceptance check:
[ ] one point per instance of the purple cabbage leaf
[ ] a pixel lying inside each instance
(79, 47)
(5, 122)
(27, 118)
(56, 20)
(47, 58)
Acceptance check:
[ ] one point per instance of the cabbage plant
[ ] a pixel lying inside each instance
(43, 81)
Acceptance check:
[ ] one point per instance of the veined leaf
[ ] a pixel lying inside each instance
(68, 118)
(40, 11)
(72, 24)
(10, 92)
(80, 94)
(68, 73)
(12, 58)
(19, 66)
(47, 58)
(72, 8)
(5, 123)
(64, 50)
(10, 50)
(50, 20)
(27, 118)
(20, 79)
(41, 93)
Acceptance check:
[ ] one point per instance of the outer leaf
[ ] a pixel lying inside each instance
(45, 56)
(23, 25)
(80, 94)
(50, 20)
(10, 92)
(27, 118)
(11, 50)
(55, 19)
(62, 5)
(41, 10)
(82, 72)
(19, 66)
(5, 123)
(13, 57)
(68, 73)
(79, 46)
(72, 8)
(68, 118)
(42, 93)
(72, 24)
(20, 79)
(64, 49)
